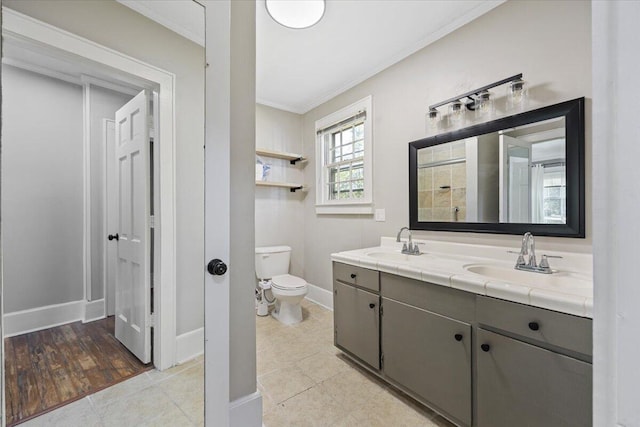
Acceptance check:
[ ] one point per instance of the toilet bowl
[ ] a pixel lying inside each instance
(272, 263)
(289, 291)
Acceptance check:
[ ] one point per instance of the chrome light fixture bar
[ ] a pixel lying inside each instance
(473, 95)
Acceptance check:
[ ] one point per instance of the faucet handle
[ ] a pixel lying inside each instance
(544, 263)
(404, 248)
(520, 260)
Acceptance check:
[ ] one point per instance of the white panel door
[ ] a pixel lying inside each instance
(111, 209)
(133, 291)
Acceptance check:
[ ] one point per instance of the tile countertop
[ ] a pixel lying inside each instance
(569, 289)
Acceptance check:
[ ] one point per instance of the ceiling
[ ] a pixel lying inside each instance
(297, 70)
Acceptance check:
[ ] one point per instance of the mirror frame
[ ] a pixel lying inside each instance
(573, 112)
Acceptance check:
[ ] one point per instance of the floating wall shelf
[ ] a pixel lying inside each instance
(292, 157)
(292, 187)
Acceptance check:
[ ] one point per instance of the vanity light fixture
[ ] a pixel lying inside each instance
(296, 14)
(479, 100)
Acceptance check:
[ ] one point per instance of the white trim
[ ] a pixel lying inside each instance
(246, 411)
(86, 190)
(323, 204)
(109, 85)
(77, 48)
(94, 310)
(344, 209)
(35, 319)
(320, 296)
(17, 63)
(189, 345)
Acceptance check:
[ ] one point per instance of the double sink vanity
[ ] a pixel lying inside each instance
(462, 331)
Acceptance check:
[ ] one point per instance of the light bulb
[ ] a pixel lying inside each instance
(456, 113)
(517, 96)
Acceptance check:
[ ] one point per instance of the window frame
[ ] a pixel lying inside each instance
(363, 205)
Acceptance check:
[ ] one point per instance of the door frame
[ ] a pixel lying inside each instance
(25, 28)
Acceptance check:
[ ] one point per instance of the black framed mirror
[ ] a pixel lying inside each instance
(520, 173)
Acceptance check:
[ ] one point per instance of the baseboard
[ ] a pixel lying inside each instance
(94, 310)
(35, 319)
(246, 411)
(189, 345)
(320, 296)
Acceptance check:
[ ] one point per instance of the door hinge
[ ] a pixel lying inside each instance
(151, 320)
(152, 221)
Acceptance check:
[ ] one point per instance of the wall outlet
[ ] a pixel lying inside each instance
(380, 215)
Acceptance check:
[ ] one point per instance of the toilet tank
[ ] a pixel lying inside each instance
(272, 261)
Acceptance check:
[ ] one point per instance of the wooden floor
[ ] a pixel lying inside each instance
(49, 368)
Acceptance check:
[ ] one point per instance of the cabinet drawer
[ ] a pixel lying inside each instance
(357, 276)
(556, 329)
(428, 296)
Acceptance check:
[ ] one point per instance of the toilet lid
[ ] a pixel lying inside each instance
(287, 281)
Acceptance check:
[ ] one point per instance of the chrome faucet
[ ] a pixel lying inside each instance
(529, 248)
(408, 248)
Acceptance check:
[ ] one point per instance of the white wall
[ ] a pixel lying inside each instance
(103, 105)
(118, 27)
(556, 63)
(279, 212)
(42, 190)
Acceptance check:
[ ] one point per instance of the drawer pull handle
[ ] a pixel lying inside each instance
(458, 337)
(372, 305)
(353, 275)
(485, 347)
(534, 326)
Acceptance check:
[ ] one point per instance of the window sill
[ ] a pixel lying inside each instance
(344, 209)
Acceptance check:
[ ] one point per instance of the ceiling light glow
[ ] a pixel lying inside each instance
(296, 14)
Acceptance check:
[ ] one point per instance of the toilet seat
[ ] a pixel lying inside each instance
(287, 282)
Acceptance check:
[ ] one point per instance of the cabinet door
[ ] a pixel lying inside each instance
(430, 355)
(520, 384)
(357, 322)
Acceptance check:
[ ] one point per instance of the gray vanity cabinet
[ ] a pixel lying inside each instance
(533, 366)
(519, 384)
(356, 315)
(427, 343)
(430, 355)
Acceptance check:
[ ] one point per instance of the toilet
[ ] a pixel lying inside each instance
(272, 263)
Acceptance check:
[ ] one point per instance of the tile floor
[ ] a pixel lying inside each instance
(170, 398)
(304, 380)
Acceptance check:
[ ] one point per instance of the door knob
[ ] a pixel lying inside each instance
(216, 267)
(113, 236)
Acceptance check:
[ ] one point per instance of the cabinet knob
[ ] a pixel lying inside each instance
(534, 326)
(353, 275)
(485, 347)
(458, 337)
(372, 305)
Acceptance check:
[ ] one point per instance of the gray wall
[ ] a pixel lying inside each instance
(550, 42)
(42, 191)
(104, 104)
(280, 213)
(118, 27)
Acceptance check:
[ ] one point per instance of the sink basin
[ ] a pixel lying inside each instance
(393, 256)
(565, 279)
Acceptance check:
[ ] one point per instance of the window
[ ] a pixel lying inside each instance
(343, 161)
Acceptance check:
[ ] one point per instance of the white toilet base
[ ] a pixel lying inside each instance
(288, 313)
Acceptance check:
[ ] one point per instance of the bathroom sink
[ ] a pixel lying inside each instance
(563, 279)
(393, 256)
